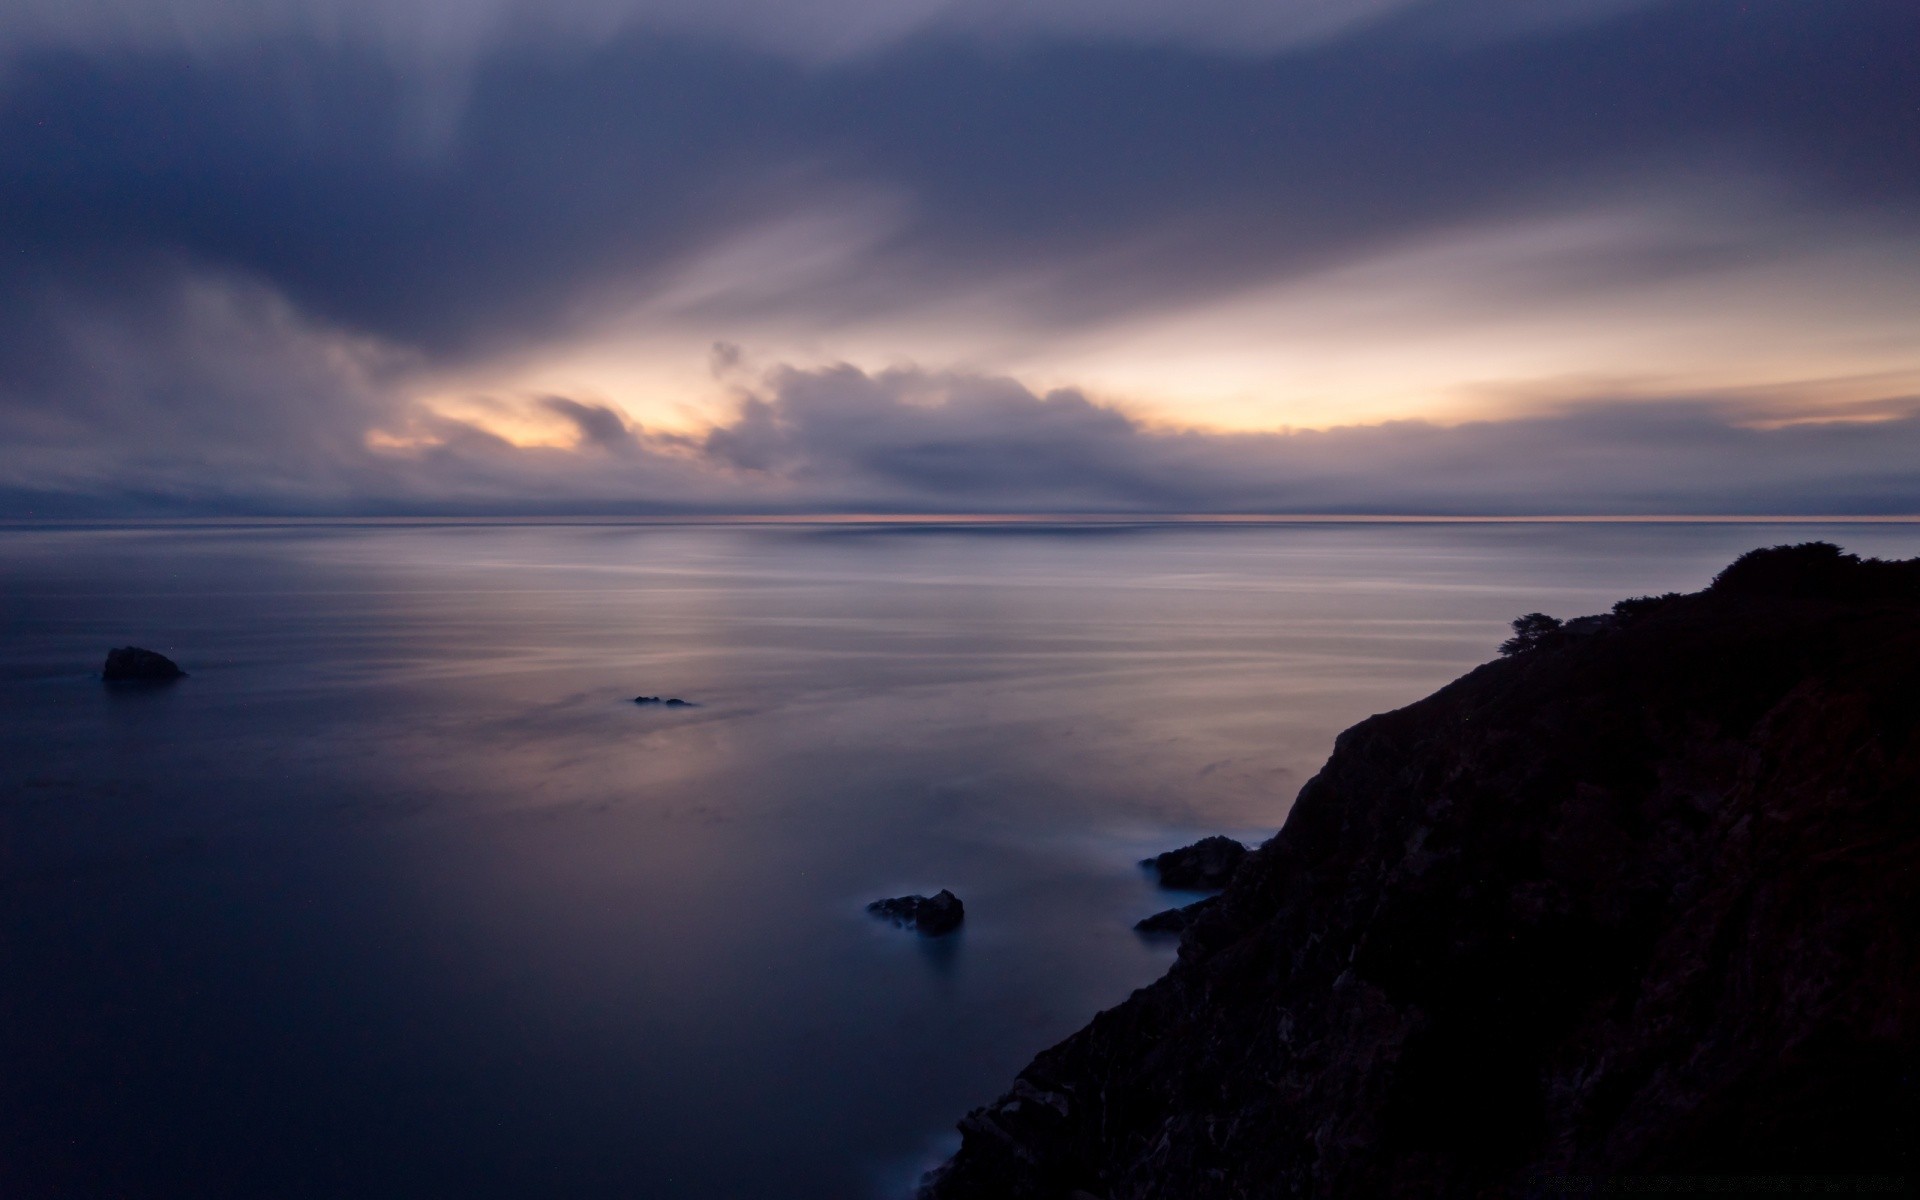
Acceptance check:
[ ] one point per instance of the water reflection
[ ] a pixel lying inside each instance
(400, 893)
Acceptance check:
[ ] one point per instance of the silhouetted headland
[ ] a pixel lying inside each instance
(126, 664)
(1637, 898)
(1174, 920)
(1202, 867)
(932, 915)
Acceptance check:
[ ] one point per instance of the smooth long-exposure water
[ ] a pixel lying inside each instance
(398, 894)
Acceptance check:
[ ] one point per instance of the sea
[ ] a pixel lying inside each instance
(399, 894)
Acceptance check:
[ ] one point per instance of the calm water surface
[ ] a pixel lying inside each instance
(399, 895)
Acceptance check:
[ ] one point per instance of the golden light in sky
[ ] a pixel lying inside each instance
(1624, 302)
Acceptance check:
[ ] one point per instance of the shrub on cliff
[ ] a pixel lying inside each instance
(1532, 632)
(1635, 607)
(1806, 569)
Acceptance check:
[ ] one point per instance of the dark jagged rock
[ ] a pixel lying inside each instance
(131, 663)
(1201, 867)
(665, 701)
(1638, 903)
(931, 915)
(1174, 920)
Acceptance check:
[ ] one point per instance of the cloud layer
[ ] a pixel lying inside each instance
(424, 33)
(245, 434)
(1114, 177)
(243, 242)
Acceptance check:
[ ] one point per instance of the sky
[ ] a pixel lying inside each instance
(473, 257)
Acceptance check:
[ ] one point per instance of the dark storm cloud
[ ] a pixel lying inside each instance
(436, 36)
(141, 379)
(1143, 173)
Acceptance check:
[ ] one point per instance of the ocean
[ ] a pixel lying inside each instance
(398, 893)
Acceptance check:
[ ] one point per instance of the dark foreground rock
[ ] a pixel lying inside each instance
(665, 701)
(1643, 901)
(1202, 867)
(931, 915)
(1174, 920)
(128, 663)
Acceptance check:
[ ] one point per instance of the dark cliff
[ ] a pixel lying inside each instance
(1640, 898)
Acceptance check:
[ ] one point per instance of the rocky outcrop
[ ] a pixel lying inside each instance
(932, 915)
(1641, 898)
(1173, 920)
(665, 701)
(1202, 867)
(133, 664)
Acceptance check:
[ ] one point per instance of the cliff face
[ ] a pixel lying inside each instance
(1641, 899)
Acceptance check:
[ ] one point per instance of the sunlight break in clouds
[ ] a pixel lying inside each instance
(1637, 298)
(270, 433)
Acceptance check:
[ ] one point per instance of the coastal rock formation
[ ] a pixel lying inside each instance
(665, 701)
(131, 663)
(1641, 898)
(931, 915)
(1173, 920)
(1204, 866)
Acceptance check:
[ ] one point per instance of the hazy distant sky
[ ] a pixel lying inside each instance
(934, 255)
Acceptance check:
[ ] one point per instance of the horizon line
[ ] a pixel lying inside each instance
(1009, 519)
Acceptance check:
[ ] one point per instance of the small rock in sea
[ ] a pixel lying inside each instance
(931, 915)
(1174, 920)
(664, 701)
(132, 662)
(1203, 866)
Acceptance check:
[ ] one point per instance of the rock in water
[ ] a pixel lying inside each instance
(1174, 920)
(1638, 903)
(665, 701)
(133, 663)
(1203, 866)
(931, 915)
